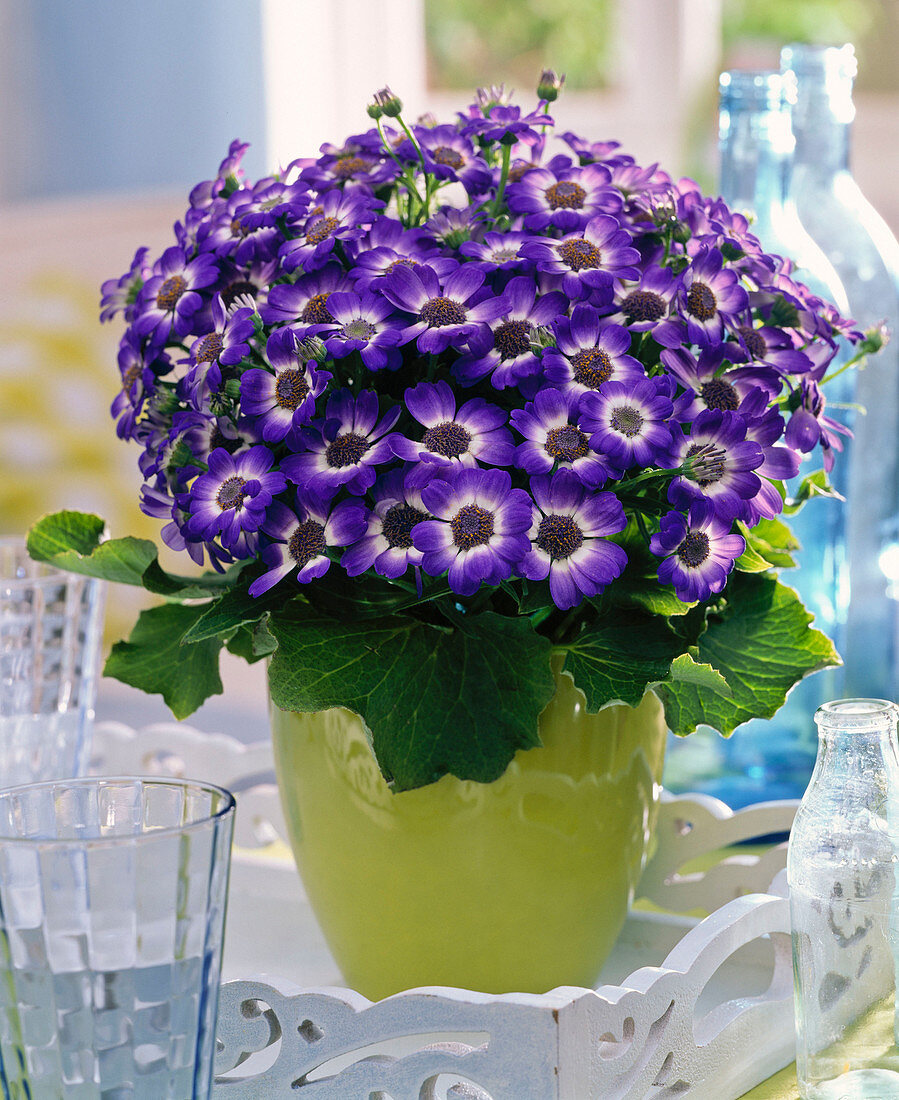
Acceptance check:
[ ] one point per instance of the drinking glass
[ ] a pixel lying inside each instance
(112, 907)
(50, 632)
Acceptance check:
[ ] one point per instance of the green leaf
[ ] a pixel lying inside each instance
(339, 596)
(154, 660)
(686, 670)
(252, 642)
(236, 608)
(751, 561)
(814, 485)
(616, 660)
(71, 540)
(773, 540)
(648, 594)
(762, 644)
(434, 699)
(156, 580)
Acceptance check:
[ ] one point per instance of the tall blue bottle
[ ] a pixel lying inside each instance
(866, 256)
(774, 758)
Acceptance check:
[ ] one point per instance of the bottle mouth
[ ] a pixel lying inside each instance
(762, 89)
(856, 714)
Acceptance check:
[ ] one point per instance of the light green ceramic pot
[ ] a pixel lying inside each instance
(518, 885)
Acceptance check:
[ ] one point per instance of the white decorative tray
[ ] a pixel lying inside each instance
(688, 1007)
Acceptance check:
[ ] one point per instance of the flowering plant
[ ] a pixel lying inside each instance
(439, 408)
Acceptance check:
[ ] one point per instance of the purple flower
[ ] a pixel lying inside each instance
(565, 200)
(341, 215)
(232, 498)
(160, 505)
(466, 437)
(118, 295)
(768, 345)
(345, 447)
(479, 530)
(300, 538)
(305, 301)
(711, 294)
(283, 401)
(497, 251)
(365, 324)
(589, 259)
(569, 542)
(699, 551)
(450, 156)
(780, 464)
(139, 369)
(589, 353)
(386, 545)
(505, 124)
(503, 348)
(445, 311)
(169, 299)
(809, 426)
(718, 461)
(225, 346)
(628, 422)
(387, 245)
(746, 390)
(643, 306)
(552, 439)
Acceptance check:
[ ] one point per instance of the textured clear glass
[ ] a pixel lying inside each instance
(112, 908)
(844, 904)
(50, 634)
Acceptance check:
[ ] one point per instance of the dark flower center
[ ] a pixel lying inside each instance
(398, 523)
(316, 310)
(579, 254)
(643, 305)
(402, 261)
(558, 536)
(231, 493)
(449, 439)
(445, 154)
(707, 465)
(307, 542)
(592, 367)
(291, 389)
(566, 443)
(217, 438)
(694, 549)
(170, 291)
(754, 341)
(346, 450)
(130, 376)
(565, 195)
(236, 290)
(471, 526)
(720, 394)
(519, 171)
(701, 302)
(626, 420)
(512, 338)
(210, 348)
(349, 166)
(321, 230)
(359, 329)
(438, 312)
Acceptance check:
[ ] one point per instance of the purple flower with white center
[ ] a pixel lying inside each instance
(232, 498)
(497, 251)
(643, 306)
(225, 346)
(271, 200)
(450, 156)
(711, 294)
(588, 152)
(471, 435)
(479, 530)
(503, 348)
(160, 505)
(719, 464)
(340, 216)
(451, 227)
(118, 295)
(699, 551)
(201, 434)
(628, 423)
(551, 439)
(444, 311)
(169, 298)
(299, 538)
(386, 245)
(565, 200)
(768, 345)
(746, 390)
(139, 374)
(358, 160)
(386, 545)
(305, 302)
(589, 353)
(587, 260)
(569, 539)
(809, 425)
(506, 124)
(345, 448)
(363, 323)
(284, 401)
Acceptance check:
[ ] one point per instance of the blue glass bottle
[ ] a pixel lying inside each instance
(774, 758)
(866, 256)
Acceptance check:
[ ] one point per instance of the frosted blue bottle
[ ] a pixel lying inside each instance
(866, 256)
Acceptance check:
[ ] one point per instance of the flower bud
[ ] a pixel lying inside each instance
(312, 348)
(549, 85)
(390, 105)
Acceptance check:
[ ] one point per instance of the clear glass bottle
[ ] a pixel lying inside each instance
(844, 906)
(865, 254)
(774, 758)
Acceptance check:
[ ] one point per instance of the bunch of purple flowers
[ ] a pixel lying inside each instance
(445, 372)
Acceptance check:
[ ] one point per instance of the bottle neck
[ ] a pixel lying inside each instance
(866, 759)
(823, 130)
(756, 152)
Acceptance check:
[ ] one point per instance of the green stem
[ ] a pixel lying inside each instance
(503, 176)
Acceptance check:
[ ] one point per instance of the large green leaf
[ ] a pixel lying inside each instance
(232, 610)
(434, 699)
(762, 643)
(154, 660)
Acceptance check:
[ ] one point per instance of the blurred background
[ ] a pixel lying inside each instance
(112, 112)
